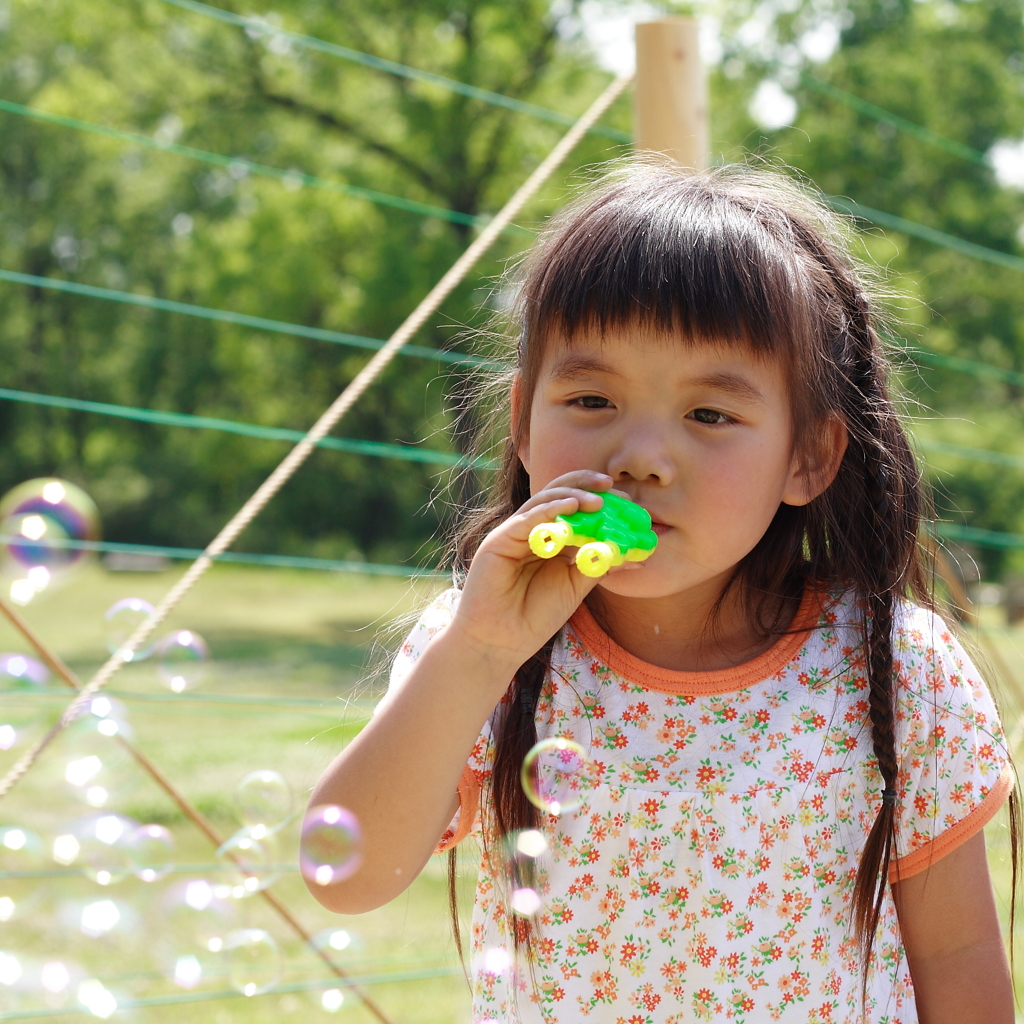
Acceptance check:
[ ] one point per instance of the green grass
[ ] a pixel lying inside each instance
(296, 669)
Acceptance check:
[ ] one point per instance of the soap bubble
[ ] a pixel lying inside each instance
(95, 997)
(22, 672)
(99, 846)
(552, 774)
(331, 846)
(196, 925)
(527, 852)
(150, 852)
(183, 655)
(94, 763)
(254, 961)
(250, 863)
(41, 521)
(122, 619)
(264, 799)
(22, 858)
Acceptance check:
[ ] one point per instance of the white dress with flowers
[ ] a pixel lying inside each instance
(707, 873)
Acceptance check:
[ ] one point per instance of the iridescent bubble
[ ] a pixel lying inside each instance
(99, 846)
(42, 523)
(254, 961)
(182, 656)
(525, 901)
(264, 799)
(552, 774)
(150, 852)
(122, 619)
(22, 672)
(22, 860)
(331, 846)
(250, 863)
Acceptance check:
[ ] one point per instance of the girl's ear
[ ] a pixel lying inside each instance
(812, 476)
(523, 442)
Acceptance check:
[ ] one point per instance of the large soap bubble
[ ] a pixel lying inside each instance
(254, 961)
(99, 846)
(121, 620)
(249, 864)
(150, 852)
(197, 924)
(182, 657)
(95, 764)
(331, 848)
(552, 774)
(263, 799)
(44, 523)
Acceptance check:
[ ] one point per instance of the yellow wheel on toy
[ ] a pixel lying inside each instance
(548, 539)
(595, 559)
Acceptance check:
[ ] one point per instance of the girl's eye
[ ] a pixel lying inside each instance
(709, 416)
(593, 402)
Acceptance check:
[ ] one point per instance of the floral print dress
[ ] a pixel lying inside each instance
(707, 873)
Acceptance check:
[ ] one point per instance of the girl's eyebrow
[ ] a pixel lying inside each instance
(575, 364)
(733, 383)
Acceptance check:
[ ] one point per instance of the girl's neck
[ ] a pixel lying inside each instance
(686, 632)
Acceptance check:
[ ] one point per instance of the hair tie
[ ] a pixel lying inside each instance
(889, 797)
(527, 700)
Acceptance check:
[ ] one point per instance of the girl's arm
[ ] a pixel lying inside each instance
(954, 946)
(399, 776)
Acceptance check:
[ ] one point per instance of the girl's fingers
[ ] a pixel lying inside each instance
(580, 484)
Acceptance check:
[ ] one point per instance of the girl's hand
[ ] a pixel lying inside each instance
(513, 601)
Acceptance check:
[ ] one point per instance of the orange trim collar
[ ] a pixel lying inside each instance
(699, 684)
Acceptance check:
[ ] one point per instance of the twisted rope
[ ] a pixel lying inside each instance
(341, 405)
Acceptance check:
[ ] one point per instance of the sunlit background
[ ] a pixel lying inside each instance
(209, 217)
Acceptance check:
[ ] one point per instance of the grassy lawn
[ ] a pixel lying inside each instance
(292, 677)
(296, 668)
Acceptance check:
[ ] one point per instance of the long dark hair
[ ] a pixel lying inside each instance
(745, 257)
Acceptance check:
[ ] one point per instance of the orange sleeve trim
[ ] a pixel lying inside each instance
(469, 802)
(923, 857)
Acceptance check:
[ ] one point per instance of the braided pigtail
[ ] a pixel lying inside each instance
(891, 489)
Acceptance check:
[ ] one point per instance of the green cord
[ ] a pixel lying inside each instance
(243, 319)
(250, 167)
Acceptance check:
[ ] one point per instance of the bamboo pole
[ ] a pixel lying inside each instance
(670, 97)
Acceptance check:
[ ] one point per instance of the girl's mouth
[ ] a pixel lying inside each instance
(659, 528)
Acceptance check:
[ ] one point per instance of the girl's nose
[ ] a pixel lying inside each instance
(643, 455)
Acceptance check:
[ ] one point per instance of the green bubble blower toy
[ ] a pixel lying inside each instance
(620, 531)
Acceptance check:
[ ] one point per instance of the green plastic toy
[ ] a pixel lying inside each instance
(620, 531)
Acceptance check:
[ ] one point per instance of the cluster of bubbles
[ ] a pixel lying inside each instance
(48, 528)
(182, 655)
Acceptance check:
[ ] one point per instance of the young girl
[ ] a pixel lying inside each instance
(791, 758)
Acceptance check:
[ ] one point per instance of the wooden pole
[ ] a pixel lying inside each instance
(671, 105)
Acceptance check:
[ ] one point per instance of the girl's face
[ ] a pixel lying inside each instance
(700, 436)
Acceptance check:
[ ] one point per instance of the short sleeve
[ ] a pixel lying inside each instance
(434, 619)
(955, 770)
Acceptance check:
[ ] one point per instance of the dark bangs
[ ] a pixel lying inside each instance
(703, 257)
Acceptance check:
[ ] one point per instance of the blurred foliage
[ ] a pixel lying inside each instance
(99, 211)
